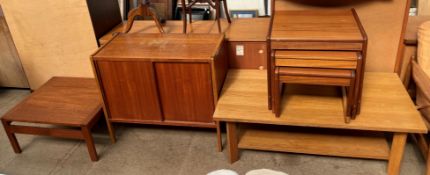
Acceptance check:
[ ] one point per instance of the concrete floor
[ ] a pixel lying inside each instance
(143, 149)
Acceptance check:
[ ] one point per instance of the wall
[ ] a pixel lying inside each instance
(247, 5)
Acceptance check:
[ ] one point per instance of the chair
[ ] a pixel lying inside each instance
(187, 9)
(144, 9)
(422, 82)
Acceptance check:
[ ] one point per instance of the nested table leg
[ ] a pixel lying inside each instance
(219, 136)
(12, 138)
(86, 132)
(232, 141)
(396, 153)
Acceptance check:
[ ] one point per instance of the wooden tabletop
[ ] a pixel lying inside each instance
(315, 25)
(197, 47)
(411, 30)
(253, 29)
(248, 29)
(386, 106)
(61, 101)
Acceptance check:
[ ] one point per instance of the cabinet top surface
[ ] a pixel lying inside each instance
(316, 25)
(137, 46)
(386, 106)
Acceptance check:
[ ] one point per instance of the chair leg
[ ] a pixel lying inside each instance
(218, 14)
(11, 136)
(184, 17)
(226, 11)
(86, 132)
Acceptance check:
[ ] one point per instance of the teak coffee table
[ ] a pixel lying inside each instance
(64, 102)
(313, 120)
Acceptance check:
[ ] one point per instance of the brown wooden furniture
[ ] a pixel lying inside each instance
(251, 126)
(216, 4)
(65, 102)
(249, 34)
(317, 47)
(422, 82)
(166, 79)
(410, 47)
(144, 9)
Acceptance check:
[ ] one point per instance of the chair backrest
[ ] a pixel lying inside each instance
(423, 53)
(383, 21)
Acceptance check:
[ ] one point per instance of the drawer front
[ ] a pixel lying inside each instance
(316, 63)
(298, 45)
(247, 55)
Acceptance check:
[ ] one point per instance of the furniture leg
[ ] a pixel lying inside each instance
(11, 136)
(190, 16)
(219, 136)
(277, 96)
(226, 11)
(218, 14)
(269, 77)
(232, 141)
(110, 130)
(184, 17)
(396, 153)
(86, 132)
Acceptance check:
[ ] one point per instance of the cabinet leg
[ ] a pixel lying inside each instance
(396, 153)
(232, 141)
(11, 136)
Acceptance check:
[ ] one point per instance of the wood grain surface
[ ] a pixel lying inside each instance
(315, 25)
(386, 106)
(46, 105)
(11, 71)
(52, 38)
(142, 46)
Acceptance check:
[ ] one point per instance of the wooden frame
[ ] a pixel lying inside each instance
(251, 126)
(283, 42)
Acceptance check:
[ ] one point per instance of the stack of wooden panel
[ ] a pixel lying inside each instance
(319, 47)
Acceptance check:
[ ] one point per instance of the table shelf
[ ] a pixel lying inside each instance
(340, 143)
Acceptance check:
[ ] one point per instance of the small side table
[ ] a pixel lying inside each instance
(63, 102)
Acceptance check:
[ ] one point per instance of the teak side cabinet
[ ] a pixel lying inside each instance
(166, 79)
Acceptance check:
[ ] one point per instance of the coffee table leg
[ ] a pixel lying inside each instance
(396, 153)
(11, 136)
(219, 136)
(232, 141)
(86, 132)
(111, 131)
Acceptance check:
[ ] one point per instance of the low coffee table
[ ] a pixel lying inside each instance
(63, 102)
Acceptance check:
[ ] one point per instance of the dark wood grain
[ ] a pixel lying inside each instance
(45, 106)
(255, 55)
(185, 91)
(130, 90)
(61, 102)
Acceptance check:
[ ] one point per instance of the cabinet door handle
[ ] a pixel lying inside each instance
(260, 51)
